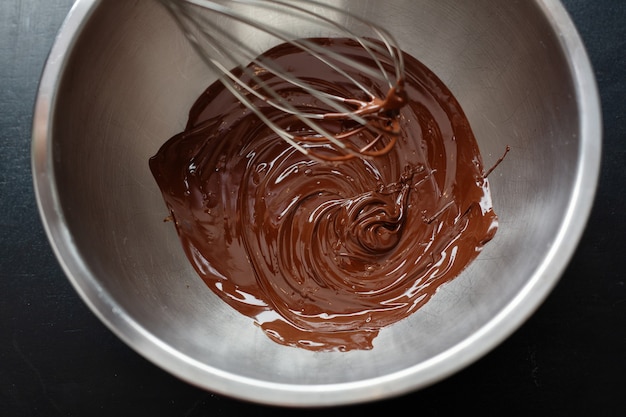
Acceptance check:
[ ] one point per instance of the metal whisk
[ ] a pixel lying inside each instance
(220, 44)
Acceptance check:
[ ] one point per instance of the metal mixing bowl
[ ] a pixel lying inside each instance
(119, 82)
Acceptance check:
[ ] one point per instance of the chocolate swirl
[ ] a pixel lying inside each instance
(324, 255)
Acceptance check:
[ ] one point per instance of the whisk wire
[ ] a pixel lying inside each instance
(196, 28)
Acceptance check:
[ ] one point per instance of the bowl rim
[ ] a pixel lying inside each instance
(501, 326)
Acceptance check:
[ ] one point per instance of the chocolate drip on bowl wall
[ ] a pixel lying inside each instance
(324, 255)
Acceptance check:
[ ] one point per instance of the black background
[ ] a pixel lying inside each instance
(57, 359)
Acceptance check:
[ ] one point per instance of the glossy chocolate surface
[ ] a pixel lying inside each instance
(323, 255)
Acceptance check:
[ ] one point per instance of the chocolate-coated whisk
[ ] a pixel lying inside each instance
(244, 27)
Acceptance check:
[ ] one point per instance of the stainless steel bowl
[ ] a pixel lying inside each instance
(119, 81)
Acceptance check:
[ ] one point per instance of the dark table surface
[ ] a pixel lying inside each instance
(57, 359)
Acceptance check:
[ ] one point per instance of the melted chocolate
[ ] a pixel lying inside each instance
(323, 255)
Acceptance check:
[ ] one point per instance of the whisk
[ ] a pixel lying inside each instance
(221, 45)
